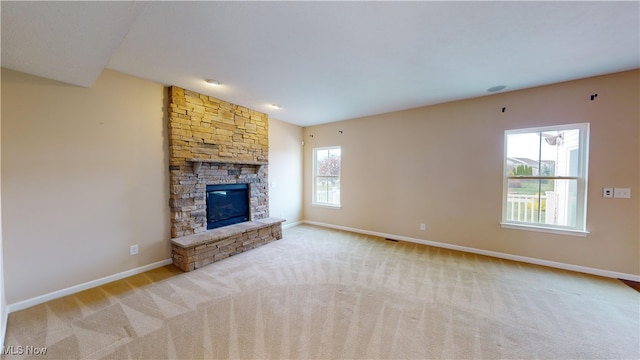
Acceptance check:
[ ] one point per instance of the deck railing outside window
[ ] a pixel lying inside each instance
(532, 208)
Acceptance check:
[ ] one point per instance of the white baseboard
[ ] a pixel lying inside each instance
(286, 225)
(553, 264)
(21, 305)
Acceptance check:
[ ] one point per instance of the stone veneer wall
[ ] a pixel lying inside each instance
(213, 142)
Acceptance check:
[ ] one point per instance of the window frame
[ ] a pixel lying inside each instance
(314, 199)
(581, 178)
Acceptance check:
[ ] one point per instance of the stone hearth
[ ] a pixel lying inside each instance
(195, 251)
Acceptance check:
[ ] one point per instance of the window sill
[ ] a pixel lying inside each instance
(580, 233)
(327, 206)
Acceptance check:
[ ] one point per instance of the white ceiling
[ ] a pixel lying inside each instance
(325, 61)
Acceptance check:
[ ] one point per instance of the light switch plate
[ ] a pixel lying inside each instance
(622, 193)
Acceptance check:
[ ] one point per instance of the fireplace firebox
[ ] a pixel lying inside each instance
(227, 204)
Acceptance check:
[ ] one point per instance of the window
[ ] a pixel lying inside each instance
(326, 176)
(545, 178)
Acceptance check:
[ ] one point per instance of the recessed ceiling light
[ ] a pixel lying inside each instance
(276, 106)
(213, 82)
(496, 88)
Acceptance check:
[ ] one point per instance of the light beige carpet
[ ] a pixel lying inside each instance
(321, 293)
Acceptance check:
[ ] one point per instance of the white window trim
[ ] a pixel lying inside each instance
(552, 230)
(314, 176)
(582, 180)
(323, 205)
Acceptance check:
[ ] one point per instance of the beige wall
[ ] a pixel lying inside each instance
(285, 171)
(441, 165)
(84, 176)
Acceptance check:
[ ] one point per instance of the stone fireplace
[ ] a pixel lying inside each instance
(214, 142)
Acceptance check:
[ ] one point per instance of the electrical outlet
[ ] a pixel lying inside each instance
(607, 192)
(133, 249)
(423, 227)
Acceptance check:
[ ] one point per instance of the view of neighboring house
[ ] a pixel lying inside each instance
(548, 166)
(539, 200)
